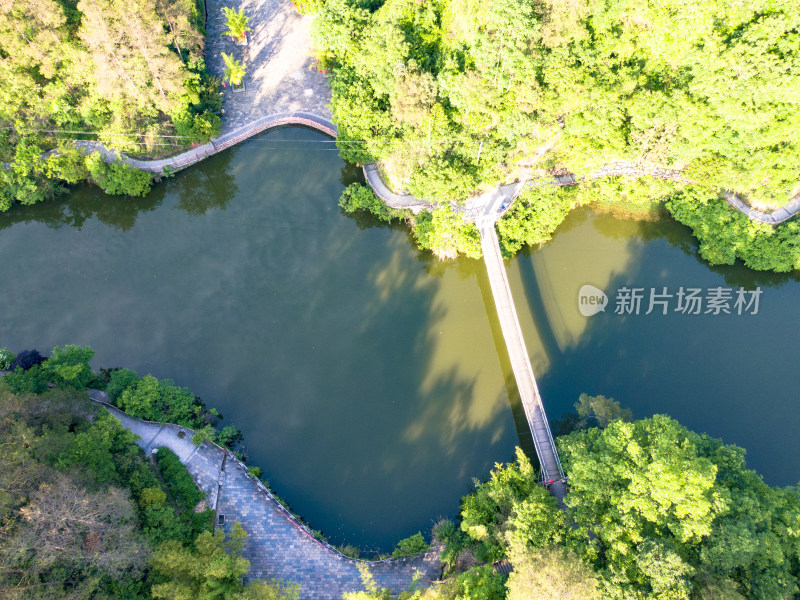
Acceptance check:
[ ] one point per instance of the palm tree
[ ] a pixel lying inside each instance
(237, 23)
(234, 70)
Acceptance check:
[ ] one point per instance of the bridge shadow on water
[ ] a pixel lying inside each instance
(372, 381)
(699, 369)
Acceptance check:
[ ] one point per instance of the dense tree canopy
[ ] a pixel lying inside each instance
(654, 511)
(125, 72)
(487, 91)
(455, 96)
(85, 516)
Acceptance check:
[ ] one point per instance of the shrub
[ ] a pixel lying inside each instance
(179, 482)
(27, 359)
(357, 196)
(444, 531)
(118, 178)
(444, 233)
(410, 546)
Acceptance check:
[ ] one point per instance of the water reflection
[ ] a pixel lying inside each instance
(212, 187)
(372, 381)
(713, 373)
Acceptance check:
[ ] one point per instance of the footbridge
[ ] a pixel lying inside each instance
(550, 465)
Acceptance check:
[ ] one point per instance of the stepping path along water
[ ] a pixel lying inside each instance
(278, 545)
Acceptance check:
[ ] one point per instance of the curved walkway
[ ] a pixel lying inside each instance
(278, 545)
(490, 205)
(626, 168)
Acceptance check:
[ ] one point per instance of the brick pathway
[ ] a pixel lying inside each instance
(278, 546)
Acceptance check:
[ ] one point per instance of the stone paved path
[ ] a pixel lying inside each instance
(278, 60)
(278, 546)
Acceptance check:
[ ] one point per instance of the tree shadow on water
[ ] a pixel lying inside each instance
(81, 204)
(206, 186)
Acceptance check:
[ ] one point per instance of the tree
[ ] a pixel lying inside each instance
(234, 69)
(510, 509)
(119, 381)
(444, 233)
(642, 488)
(69, 366)
(214, 568)
(154, 400)
(534, 217)
(118, 178)
(410, 546)
(131, 53)
(603, 410)
(236, 22)
(65, 524)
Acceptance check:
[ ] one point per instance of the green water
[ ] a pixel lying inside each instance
(370, 380)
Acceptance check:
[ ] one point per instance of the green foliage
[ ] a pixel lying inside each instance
(207, 433)
(118, 68)
(6, 358)
(120, 380)
(68, 164)
(155, 400)
(30, 381)
(510, 508)
(178, 480)
(457, 95)
(213, 568)
(357, 196)
(444, 233)
(234, 69)
(534, 217)
(656, 512)
(444, 179)
(79, 504)
(308, 7)
(600, 410)
(69, 366)
(410, 546)
(443, 531)
(648, 494)
(91, 449)
(118, 178)
(482, 583)
(236, 22)
(725, 234)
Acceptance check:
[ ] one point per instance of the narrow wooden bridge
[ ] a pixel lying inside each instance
(549, 462)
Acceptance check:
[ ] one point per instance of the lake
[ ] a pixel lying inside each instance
(371, 380)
